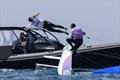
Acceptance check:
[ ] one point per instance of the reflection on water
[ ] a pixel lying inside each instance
(51, 74)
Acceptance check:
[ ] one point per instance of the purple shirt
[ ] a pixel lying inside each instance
(77, 33)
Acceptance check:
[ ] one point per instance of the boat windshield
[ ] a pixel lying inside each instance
(9, 37)
(44, 33)
(6, 38)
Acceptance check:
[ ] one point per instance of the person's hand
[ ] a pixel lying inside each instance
(84, 33)
(36, 15)
(25, 28)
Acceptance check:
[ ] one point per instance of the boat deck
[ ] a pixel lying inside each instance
(97, 56)
(95, 48)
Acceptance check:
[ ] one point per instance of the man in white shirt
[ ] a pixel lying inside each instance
(44, 24)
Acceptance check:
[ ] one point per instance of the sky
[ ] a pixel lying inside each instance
(100, 19)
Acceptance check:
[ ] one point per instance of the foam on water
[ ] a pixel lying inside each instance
(51, 74)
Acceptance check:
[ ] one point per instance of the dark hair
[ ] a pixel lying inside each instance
(22, 33)
(30, 19)
(73, 25)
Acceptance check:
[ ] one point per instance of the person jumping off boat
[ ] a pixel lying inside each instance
(44, 24)
(76, 39)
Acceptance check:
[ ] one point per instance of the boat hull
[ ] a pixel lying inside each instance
(91, 59)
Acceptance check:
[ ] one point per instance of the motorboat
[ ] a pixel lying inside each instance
(43, 48)
(13, 51)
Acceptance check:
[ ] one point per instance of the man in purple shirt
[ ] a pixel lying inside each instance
(76, 39)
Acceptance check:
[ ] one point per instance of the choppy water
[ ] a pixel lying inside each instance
(51, 74)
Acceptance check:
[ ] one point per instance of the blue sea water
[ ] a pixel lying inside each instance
(51, 74)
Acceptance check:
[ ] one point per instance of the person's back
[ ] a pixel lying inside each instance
(76, 37)
(36, 22)
(77, 33)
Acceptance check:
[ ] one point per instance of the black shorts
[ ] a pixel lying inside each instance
(47, 25)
